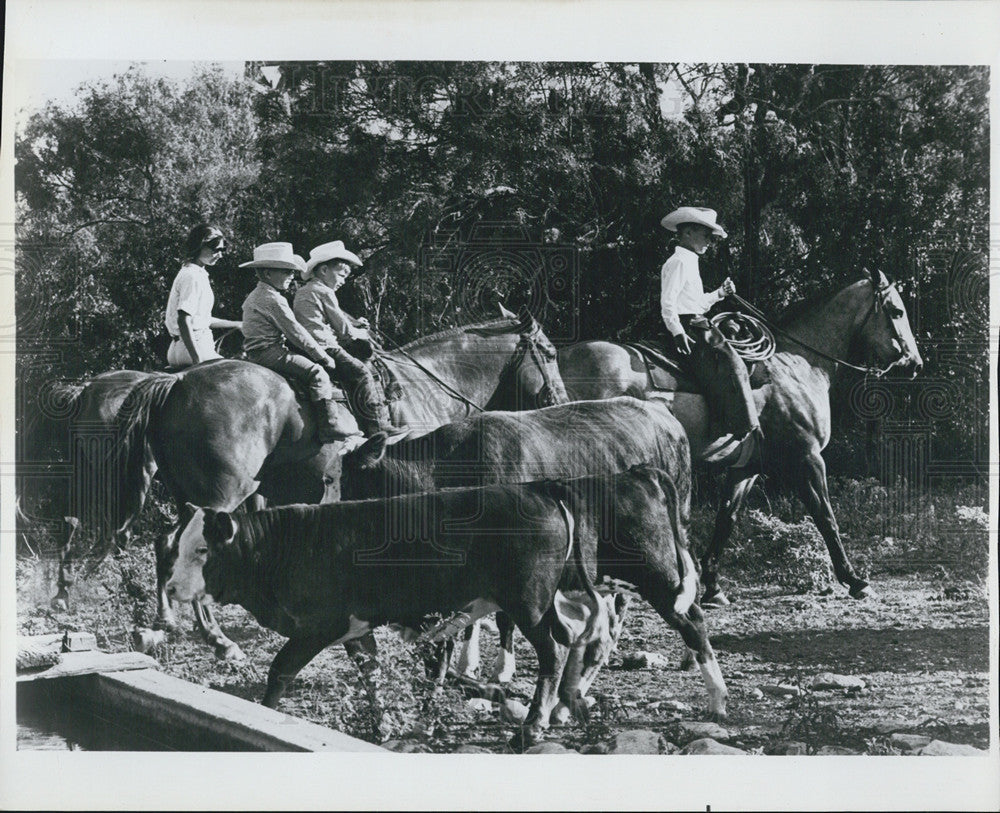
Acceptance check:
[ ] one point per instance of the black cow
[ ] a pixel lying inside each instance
(569, 440)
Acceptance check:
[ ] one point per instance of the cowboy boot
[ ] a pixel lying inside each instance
(331, 423)
(372, 411)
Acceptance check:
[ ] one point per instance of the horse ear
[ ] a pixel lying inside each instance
(504, 312)
(370, 454)
(527, 319)
(872, 275)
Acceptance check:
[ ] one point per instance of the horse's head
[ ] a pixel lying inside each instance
(885, 331)
(535, 366)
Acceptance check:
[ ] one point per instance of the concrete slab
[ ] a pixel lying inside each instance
(163, 701)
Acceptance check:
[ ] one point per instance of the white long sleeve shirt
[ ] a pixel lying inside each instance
(681, 289)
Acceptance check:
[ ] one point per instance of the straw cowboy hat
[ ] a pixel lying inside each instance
(330, 251)
(693, 214)
(275, 255)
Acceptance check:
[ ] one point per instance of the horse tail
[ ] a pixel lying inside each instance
(138, 412)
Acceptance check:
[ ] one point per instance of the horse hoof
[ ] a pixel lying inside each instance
(687, 662)
(60, 603)
(862, 590)
(718, 717)
(714, 598)
(229, 652)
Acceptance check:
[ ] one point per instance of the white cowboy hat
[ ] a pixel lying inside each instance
(275, 255)
(329, 251)
(693, 214)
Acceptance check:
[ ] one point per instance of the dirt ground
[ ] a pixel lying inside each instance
(921, 648)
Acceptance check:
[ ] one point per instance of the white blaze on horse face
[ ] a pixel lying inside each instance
(187, 582)
(901, 322)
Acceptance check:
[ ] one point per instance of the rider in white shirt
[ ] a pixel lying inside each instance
(188, 316)
(701, 349)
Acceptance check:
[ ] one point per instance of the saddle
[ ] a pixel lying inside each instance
(664, 373)
(653, 356)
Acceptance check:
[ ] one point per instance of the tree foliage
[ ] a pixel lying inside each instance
(818, 171)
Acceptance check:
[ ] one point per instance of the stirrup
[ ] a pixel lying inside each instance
(720, 449)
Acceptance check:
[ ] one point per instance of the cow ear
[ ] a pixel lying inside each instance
(226, 526)
(370, 454)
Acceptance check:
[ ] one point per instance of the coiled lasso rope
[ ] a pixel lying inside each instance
(747, 335)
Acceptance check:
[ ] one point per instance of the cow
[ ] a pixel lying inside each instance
(568, 440)
(330, 573)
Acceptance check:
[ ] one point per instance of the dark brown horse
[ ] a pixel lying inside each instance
(865, 320)
(225, 430)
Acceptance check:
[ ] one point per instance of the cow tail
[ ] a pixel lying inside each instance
(573, 549)
(687, 574)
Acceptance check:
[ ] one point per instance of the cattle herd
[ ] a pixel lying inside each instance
(517, 512)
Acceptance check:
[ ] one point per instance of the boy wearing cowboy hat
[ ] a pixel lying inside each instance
(318, 310)
(270, 333)
(700, 348)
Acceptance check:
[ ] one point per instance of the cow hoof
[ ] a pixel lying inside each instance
(166, 623)
(560, 714)
(524, 739)
(861, 589)
(229, 652)
(714, 598)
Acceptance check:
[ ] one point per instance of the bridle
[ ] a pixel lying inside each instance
(528, 344)
(879, 297)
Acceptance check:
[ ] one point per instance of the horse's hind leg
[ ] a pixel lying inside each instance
(214, 637)
(691, 626)
(737, 488)
(814, 493)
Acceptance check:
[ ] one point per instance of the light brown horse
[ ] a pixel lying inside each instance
(865, 320)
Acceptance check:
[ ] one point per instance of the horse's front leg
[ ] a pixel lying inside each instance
(815, 495)
(738, 485)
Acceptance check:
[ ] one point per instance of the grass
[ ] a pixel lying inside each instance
(894, 530)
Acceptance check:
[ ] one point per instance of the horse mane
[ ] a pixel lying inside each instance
(801, 307)
(491, 324)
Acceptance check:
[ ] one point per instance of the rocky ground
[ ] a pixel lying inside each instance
(904, 673)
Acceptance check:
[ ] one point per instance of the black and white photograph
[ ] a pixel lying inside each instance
(463, 395)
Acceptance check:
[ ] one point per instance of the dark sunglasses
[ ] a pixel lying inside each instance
(218, 244)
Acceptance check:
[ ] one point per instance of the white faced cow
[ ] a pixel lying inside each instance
(330, 573)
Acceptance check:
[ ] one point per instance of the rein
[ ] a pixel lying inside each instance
(877, 297)
(525, 345)
(443, 384)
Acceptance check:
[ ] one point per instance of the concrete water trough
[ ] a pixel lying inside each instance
(121, 701)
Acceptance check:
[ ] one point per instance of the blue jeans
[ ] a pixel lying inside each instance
(293, 365)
